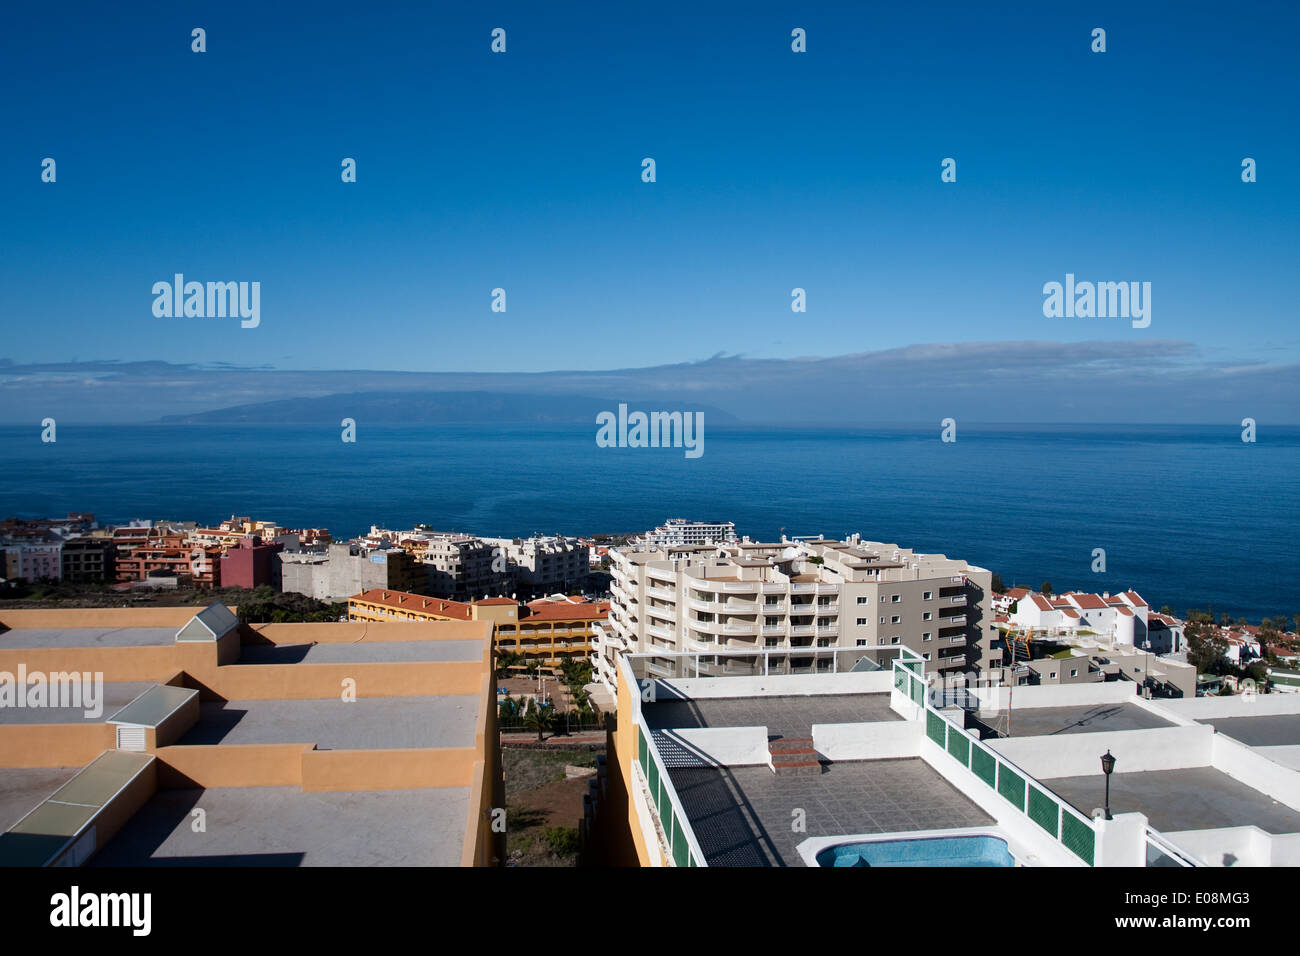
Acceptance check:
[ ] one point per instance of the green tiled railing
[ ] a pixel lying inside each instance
(1012, 786)
(683, 848)
(983, 764)
(1072, 829)
(1045, 811)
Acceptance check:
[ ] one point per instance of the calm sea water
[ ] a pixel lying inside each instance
(1188, 516)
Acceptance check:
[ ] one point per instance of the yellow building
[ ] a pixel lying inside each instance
(551, 630)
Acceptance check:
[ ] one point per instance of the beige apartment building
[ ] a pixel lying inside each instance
(798, 605)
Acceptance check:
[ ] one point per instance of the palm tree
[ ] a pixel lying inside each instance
(539, 717)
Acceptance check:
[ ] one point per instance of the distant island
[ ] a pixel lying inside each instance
(435, 408)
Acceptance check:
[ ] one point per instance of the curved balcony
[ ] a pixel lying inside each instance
(744, 587)
(740, 607)
(663, 594)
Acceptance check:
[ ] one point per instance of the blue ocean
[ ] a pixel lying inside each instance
(1188, 516)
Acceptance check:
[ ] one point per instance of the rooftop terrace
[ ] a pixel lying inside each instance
(284, 826)
(742, 816)
(1194, 798)
(1085, 719)
(334, 724)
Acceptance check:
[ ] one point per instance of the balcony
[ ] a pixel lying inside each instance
(707, 607)
(828, 589)
(656, 631)
(662, 594)
(773, 588)
(956, 620)
(745, 587)
(733, 628)
(803, 588)
(801, 629)
(957, 599)
(663, 575)
(740, 607)
(773, 630)
(778, 608)
(828, 632)
(957, 640)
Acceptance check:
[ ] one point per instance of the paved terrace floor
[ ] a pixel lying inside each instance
(1278, 730)
(361, 652)
(782, 716)
(1046, 721)
(742, 816)
(282, 826)
(333, 724)
(34, 637)
(1198, 798)
(116, 695)
(23, 789)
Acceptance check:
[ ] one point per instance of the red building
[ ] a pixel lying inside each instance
(250, 563)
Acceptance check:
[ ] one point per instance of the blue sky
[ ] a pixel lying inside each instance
(522, 170)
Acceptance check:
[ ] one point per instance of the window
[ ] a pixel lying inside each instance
(1074, 672)
(927, 615)
(863, 599)
(861, 643)
(925, 657)
(895, 598)
(862, 622)
(927, 595)
(895, 619)
(882, 620)
(773, 641)
(925, 636)
(894, 639)
(1052, 676)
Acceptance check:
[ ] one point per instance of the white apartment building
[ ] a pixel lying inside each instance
(678, 531)
(1121, 618)
(544, 564)
(792, 604)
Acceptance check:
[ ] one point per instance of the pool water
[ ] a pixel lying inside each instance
(979, 850)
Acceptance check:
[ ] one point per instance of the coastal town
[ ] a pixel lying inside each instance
(991, 635)
(662, 698)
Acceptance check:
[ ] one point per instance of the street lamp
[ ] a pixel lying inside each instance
(1107, 767)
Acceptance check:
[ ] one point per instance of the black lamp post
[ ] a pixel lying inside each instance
(1107, 767)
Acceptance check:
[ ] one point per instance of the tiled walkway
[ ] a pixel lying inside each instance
(745, 816)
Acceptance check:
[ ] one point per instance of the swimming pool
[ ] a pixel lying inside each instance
(969, 850)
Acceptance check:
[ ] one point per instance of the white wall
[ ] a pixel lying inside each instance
(720, 746)
(1227, 846)
(1256, 770)
(1075, 755)
(1210, 708)
(876, 740)
(703, 688)
(1055, 695)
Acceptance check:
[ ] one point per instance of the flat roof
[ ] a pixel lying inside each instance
(1276, 730)
(117, 695)
(785, 716)
(1197, 798)
(1084, 719)
(22, 789)
(36, 637)
(284, 826)
(368, 723)
(353, 652)
(741, 815)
